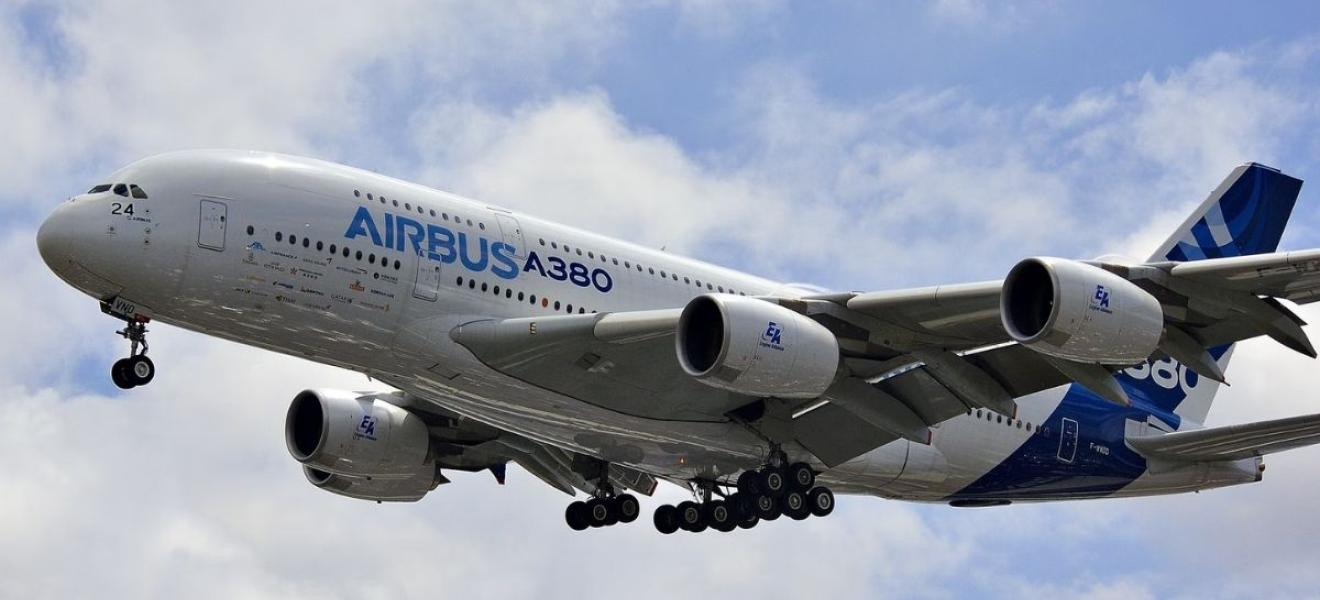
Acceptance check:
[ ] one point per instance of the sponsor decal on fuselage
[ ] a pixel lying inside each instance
(476, 253)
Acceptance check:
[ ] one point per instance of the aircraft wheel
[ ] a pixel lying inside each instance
(821, 501)
(771, 481)
(690, 517)
(749, 521)
(747, 482)
(719, 516)
(767, 507)
(666, 519)
(795, 505)
(627, 508)
(598, 512)
(140, 370)
(120, 375)
(801, 476)
(576, 515)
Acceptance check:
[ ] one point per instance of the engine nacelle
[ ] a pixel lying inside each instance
(410, 489)
(756, 348)
(1079, 312)
(357, 435)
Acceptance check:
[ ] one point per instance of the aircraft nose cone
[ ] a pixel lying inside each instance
(54, 239)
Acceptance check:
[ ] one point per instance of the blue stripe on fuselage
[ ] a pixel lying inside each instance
(1102, 464)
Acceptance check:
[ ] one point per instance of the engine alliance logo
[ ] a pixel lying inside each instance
(1100, 301)
(773, 336)
(366, 428)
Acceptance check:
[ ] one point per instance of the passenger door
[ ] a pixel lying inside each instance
(428, 278)
(512, 234)
(211, 225)
(1068, 441)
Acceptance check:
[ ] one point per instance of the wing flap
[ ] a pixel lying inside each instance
(1233, 442)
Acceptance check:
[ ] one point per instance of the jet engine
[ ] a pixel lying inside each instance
(409, 489)
(1079, 312)
(756, 348)
(356, 435)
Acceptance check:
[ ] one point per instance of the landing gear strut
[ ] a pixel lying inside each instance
(137, 369)
(776, 489)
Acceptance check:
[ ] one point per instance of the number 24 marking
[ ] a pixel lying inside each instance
(121, 209)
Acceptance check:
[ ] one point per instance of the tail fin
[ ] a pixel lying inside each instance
(1245, 215)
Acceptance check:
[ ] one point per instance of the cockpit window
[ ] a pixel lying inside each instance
(121, 189)
(104, 187)
(137, 191)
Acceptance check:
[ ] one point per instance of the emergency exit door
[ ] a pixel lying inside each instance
(211, 226)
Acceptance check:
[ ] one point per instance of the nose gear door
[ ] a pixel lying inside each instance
(211, 227)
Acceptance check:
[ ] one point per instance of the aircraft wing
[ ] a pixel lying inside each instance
(1233, 442)
(1293, 276)
(912, 358)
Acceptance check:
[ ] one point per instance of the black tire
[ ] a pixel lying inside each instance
(795, 505)
(749, 522)
(576, 515)
(772, 481)
(801, 477)
(599, 512)
(141, 370)
(690, 517)
(747, 483)
(742, 505)
(627, 508)
(119, 374)
(666, 519)
(821, 501)
(720, 516)
(767, 507)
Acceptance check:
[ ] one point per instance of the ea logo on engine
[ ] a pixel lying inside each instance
(367, 427)
(773, 336)
(1100, 301)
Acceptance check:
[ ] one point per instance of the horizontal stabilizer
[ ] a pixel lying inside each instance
(1231, 443)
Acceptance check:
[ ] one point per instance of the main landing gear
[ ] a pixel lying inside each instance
(606, 509)
(137, 369)
(762, 495)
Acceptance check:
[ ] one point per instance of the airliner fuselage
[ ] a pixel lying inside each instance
(349, 268)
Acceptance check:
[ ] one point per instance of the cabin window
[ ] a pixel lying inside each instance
(250, 230)
(279, 236)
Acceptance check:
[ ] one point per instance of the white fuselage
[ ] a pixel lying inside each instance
(265, 250)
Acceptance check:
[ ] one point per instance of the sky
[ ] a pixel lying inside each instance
(853, 145)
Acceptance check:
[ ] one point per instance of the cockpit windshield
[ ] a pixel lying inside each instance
(121, 189)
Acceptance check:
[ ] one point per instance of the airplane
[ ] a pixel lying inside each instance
(603, 368)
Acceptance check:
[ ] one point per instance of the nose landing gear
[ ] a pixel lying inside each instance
(137, 369)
